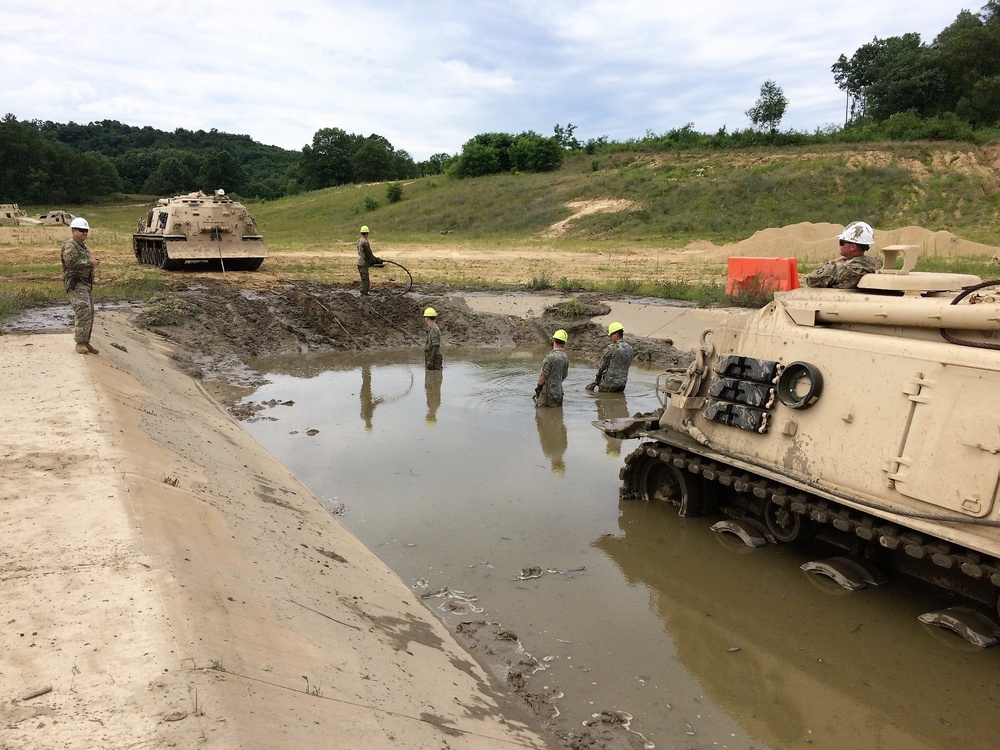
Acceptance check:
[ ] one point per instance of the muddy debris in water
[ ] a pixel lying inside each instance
(218, 328)
(499, 650)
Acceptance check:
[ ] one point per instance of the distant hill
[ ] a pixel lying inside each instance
(671, 198)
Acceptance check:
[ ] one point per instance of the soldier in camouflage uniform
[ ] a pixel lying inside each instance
(555, 368)
(845, 271)
(78, 281)
(612, 373)
(432, 344)
(365, 260)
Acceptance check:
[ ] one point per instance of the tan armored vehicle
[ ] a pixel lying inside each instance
(867, 416)
(55, 218)
(11, 215)
(199, 228)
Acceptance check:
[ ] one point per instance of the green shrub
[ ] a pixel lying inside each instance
(626, 286)
(394, 192)
(371, 203)
(754, 292)
(542, 281)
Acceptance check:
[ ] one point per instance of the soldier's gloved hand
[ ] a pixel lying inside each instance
(592, 386)
(538, 390)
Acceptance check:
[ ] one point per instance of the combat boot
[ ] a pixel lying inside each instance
(82, 349)
(92, 349)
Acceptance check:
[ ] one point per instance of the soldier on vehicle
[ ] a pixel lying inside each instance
(365, 260)
(555, 368)
(432, 344)
(612, 373)
(845, 271)
(78, 281)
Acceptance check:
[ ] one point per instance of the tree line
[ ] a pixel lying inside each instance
(896, 88)
(957, 75)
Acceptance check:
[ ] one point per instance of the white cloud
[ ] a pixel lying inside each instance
(428, 76)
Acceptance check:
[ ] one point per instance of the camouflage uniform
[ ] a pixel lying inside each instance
(843, 274)
(432, 348)
(365, 259)
(555, 366)
(78, 281)
(612, 373)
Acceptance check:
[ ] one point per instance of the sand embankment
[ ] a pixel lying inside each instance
(165, 582)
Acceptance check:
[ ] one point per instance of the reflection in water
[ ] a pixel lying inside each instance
(369, 402)
(552, 436)
(846, 671)
(432, 387)
(611, 406)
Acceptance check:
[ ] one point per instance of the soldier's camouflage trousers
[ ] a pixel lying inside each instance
(82, 301)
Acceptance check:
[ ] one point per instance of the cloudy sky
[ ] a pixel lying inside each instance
(430, 74)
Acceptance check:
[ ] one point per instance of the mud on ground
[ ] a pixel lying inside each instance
(218, 329)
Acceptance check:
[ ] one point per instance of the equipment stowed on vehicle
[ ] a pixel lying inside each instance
(867, 417)
(199, 228)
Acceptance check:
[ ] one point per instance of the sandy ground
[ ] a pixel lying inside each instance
(164, 582)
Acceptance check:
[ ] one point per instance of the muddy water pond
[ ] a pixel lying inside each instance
(492, 510)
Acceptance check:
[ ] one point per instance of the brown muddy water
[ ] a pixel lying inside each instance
(457, 483)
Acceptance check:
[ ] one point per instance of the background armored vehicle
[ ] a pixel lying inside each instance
(11, 215)
(199, 228)
(55, 218)
(866, 416)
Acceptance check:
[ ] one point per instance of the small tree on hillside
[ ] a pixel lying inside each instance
(770, 107)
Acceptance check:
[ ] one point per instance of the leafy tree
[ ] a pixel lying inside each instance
(20, 146)
(402, 166)
(500, 143)
(98, 176)
(135, 166)
(892, 75)
(565, 137)
(436, 164)
(372, 160)
(219, 169)
(328, 161)
(968, 55)
(770, 107)
(171, 177)
(477, 160)
(531, 152)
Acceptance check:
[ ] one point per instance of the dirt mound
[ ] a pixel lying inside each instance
(814, 243)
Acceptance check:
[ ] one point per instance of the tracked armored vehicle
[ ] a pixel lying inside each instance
(869, 417)
(199, 228)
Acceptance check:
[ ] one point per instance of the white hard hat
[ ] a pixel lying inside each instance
(859, 233)
(79, 223)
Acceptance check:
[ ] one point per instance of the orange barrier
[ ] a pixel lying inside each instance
(762, 274)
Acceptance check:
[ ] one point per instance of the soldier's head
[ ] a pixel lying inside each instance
(616, 331)
(855, 240)
(79, 228)
(559, 339)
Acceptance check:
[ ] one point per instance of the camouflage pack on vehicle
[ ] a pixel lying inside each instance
(199, 228)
